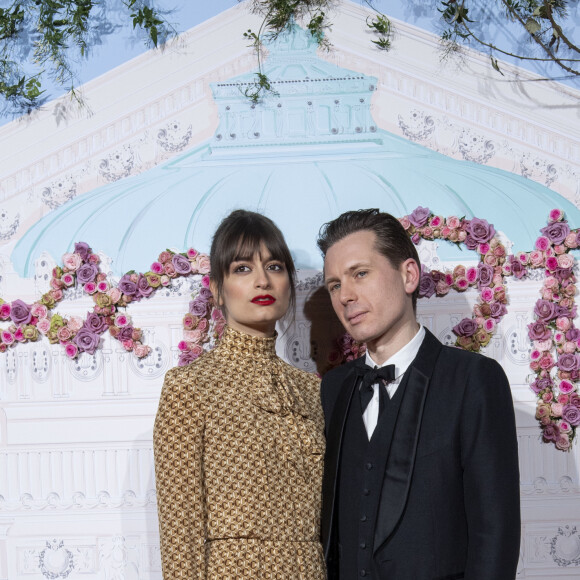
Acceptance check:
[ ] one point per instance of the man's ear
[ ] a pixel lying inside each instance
(411, 275)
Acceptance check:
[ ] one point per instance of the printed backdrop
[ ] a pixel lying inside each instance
(172, 146)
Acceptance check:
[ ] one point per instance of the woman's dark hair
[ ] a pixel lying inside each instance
(240, 235)
(393, 242)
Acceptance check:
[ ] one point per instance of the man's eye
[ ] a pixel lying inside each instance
(333, 287)
(361, 274)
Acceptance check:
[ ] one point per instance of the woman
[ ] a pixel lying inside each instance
(238, 437)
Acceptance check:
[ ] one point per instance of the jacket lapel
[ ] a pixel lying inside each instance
(334, 436)
(401, 460)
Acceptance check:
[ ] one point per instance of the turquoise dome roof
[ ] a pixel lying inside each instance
(301, 157)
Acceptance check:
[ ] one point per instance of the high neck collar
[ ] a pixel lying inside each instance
(248, 345)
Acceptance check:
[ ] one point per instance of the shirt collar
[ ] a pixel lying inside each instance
(403, 358)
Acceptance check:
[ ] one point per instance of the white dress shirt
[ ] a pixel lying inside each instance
(401, 359)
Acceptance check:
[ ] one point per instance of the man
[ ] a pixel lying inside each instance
(422, 482)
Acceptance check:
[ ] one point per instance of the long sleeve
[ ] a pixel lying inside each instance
(178, 448)
(491, 475)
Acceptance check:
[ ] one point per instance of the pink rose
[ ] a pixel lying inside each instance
(182, 345)
(556, 215)
(445, 231)
(121, 320)
(563, 323)
(164, 257)
(404, 221)
(43, 325)
(5, 310)
(535, 354)
(441, 288)
(427, 232)
(559, 249)
(7, 337)
(197, 350)
(39, 310)
(114, 294)
(565, 427)
(64, 334)
(486, 294)
(203, 325)
(489, 325)
(71, 350)
(75, 323)
(461, 284)
(536, 258)
(566, 387)
(552, 264)
(170, 269)
(68, 279)
(546, 362)
(192, 253)
(563, 442)
(569, 347)
(499, 251)
(90, 287)
(141, 350)
(203, 264)
(157, 267)
(483, 248)
(571, 240)
(490, 260)
(523, 258)
(436, 221)
(205, 281)
(128, 344)
(547, 397)
(563, 399)
(164, 280)
(535, 365)
(72, 261)
(565, 260)
(19, 334)
(543, 345)
(471, 275)
(453, 222)
(102, 286)
(542, 243)
(551, 282)
(556, 409)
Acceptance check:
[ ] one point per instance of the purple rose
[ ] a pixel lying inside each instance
(205, 294)
(20, 312)
(571, 413)
(497, 310)
(420, 216)
(567, 362)
(540, 385)
(186, 357)
(563, 311)
(86, 340)
(83, 250)
(95, 323)
(466, 327)
(562, 274)
(198, 307)
(538, 331)
(480, 230)
(556, 232)
(545, 310)
(181, 264)
(518, 269)
(470, 242)
(143, 288)
(87, 273)
(573, 334)
(485, 275)
(551, 432)
(426, 285)
(126, 333)
(127, 286)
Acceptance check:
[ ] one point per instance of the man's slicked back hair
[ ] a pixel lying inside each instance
(392, 241)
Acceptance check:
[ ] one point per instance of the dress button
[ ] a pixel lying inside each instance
(363, 545)
(363, 572)
(366, 491)
(369, 466)
(363, 518)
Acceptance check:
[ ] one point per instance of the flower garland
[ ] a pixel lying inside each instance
(555, 357)
(81, 267)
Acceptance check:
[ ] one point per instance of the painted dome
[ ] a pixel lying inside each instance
(301, 157)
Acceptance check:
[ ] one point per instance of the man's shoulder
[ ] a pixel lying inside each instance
(337, 374)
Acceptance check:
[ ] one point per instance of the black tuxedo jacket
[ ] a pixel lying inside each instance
(449, 505)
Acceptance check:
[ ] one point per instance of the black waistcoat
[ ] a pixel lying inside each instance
(362, 467)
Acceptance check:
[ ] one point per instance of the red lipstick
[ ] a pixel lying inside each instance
(264, 300)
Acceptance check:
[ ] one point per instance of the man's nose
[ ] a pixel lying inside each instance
(346, 293)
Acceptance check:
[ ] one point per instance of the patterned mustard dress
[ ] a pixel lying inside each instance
(239, 445)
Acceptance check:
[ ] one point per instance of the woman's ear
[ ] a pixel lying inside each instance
(214, 290)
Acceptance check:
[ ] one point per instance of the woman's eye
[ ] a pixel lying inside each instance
(241, 268)
(276, 267)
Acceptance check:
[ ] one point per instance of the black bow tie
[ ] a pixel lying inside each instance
(369, 377)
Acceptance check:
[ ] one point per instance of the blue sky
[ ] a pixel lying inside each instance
(124, 44)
